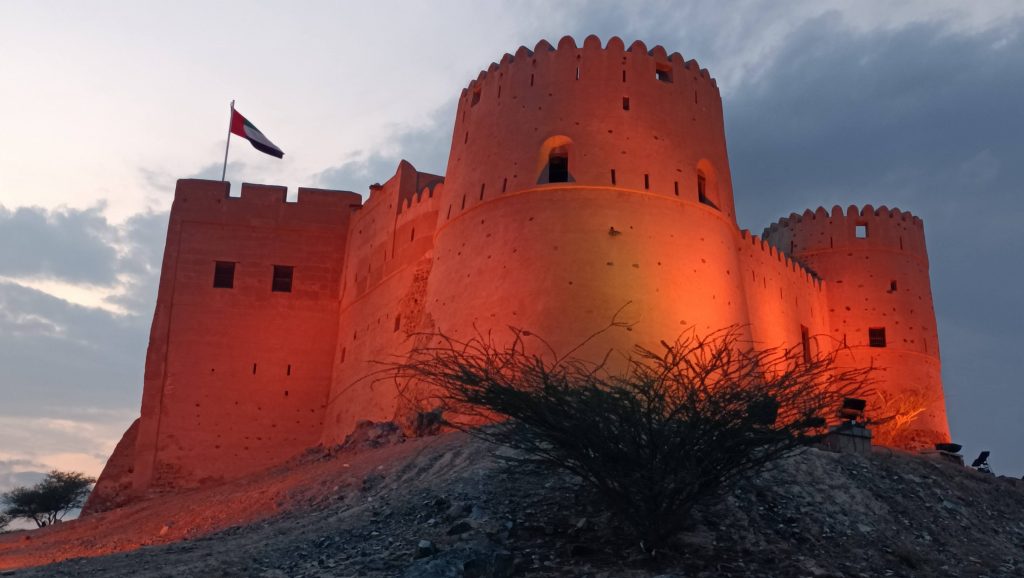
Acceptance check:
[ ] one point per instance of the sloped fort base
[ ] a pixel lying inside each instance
(580, 179)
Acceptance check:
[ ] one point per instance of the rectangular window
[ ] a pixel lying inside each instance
(892, 286)
(876, 337)
(702, 189)
(647, 182)
(625, 103)
(861, 231)
(398, 322)
(805, 343)
(613, 176)
(224, 274)
(663, 73)
(675, 186)
(282, 279)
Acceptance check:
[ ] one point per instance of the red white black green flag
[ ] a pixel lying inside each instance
(246, 130)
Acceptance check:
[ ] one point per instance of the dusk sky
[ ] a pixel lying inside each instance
(103, 105)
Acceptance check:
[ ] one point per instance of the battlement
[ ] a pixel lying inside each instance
(854, 228)
(652, 64)
(198, 199)
(792, 265)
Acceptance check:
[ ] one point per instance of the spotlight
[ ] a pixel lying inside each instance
(981, 463)
(852, 409)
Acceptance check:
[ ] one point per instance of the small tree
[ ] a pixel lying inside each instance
(668, 429)
(49, 500)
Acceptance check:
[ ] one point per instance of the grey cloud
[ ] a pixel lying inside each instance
(426, 148)
(142, 238)
(53, 350)
(17, 473)
(67, 244)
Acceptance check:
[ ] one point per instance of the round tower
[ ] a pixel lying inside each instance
(875, 266)
(583, 181)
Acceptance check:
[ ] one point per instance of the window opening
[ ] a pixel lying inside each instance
(663, 73)
(647, 182)
(504, 184)
(254, 369)
(861, 231)
(463, 202)
(623, 76)
(476, 97)
(577, 73)
(613, 176)
(288, 371)
(876, 337)
(675, 187)
(805, 342)
(282, 279)
(224, 274)
(625, 103)
(558, 166)
(892, 285)
(398, 322)
(702, 189)
(482, 192)
(412, 234)
(531, 80)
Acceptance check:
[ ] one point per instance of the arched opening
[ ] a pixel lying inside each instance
(554, 163)
(707, 185)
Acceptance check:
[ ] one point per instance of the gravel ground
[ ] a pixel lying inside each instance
(450, 506)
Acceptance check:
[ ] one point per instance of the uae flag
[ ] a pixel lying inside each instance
(246, 130)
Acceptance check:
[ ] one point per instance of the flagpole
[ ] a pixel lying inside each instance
(228, 144)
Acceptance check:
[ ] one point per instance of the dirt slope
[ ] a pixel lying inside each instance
(365, 513)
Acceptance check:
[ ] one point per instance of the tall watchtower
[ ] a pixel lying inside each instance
(875, 264)
(582, 179)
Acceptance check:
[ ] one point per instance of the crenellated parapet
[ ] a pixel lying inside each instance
(796, 268)
(545, 58)
(865, 228)
(204, 200)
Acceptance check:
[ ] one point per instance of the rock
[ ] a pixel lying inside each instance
(371, 435)
(460, 527)
(425, 549)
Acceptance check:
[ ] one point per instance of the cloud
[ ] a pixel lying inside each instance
(425, 146)
(70, 244)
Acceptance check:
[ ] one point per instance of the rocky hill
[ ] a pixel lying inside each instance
(450, 506)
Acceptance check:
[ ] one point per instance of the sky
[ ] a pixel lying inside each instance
(103, 105)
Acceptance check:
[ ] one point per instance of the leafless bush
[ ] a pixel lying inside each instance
(670, 428)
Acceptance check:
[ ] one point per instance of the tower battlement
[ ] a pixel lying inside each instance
(211, 200)
(865, 228)
(637, 58)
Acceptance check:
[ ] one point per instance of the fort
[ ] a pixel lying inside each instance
(580, 179)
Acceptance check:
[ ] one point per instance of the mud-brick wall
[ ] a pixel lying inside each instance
(237, 378)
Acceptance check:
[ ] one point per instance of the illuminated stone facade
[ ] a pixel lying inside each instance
(580, 180)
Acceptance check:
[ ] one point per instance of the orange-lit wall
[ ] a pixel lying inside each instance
(494, 244)
(878, 281)
(237, 379)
